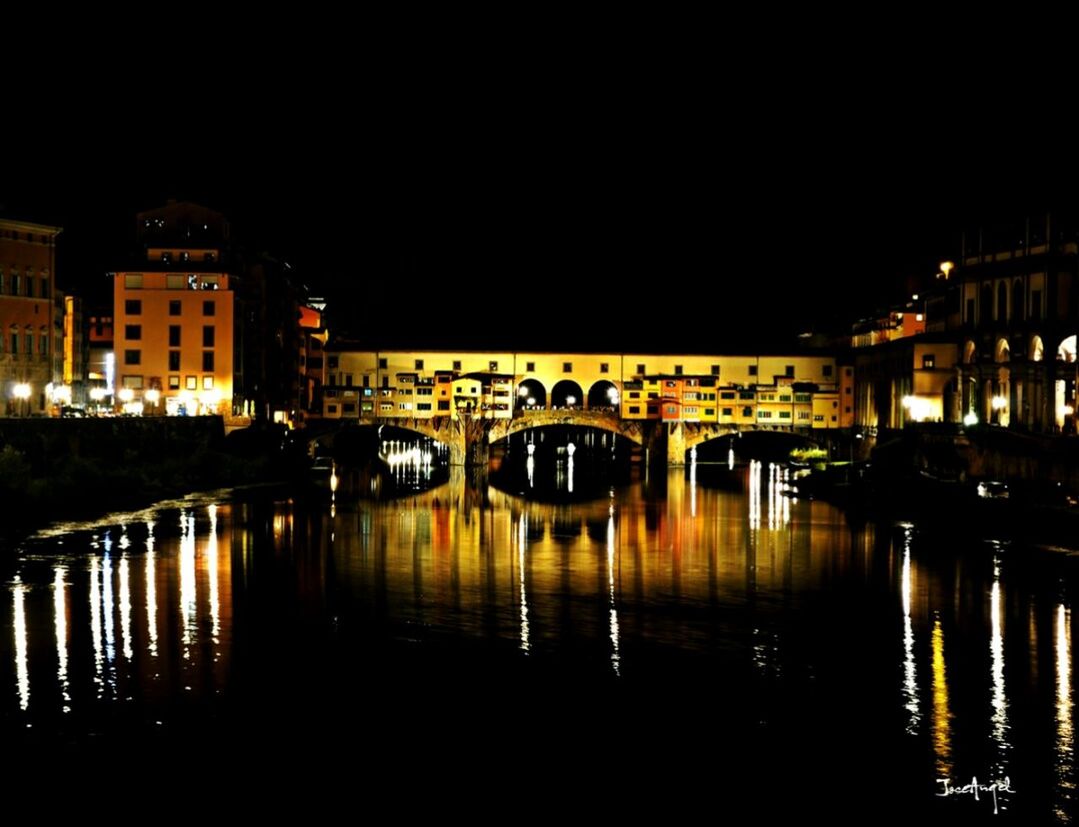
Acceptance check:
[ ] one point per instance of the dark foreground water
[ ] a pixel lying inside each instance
(669, 648)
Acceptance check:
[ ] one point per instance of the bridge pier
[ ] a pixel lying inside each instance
(676, 444)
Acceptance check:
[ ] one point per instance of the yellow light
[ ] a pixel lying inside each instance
(126, 395)
(97, 394)
(946, 268)
(21, 391)
(153, 395)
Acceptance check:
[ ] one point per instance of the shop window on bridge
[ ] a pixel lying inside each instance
(604, 367)
(752, 370)
(634, 409)
(530, 367)
(727, 411)
(764, 414)
(640, 370)
(929, 361)
(653, 410)
(492, 366)
(784, 414)
(331, 409)
(443, 405)
(677, 370)
(709, 411)
(826, 370)
(350, 407)
(567, 367)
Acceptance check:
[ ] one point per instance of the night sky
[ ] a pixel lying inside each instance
(601, 212)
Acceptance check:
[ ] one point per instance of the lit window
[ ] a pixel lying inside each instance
(207, 383)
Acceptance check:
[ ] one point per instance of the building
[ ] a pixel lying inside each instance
(31, 354)
(174, 313)
(786, 391)
(76, 352)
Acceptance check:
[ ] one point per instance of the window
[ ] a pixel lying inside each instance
(634, 394)
(715, 370)
(727, 395)
(784, 414)
(492, 366)
(671, 410)
(423, 406)
(174, 383)
(331, 379)
(443, 405)
(634, 409)
(848, 391)
(604, 367)
(530, 367)
(133, 331)
(16, 283)
(826, 370)
(166, 256)
(653, 410)
(133, 281)
(331, 408)
(174, 335)
(366, 381)
(847, 409)
(208, 335)
(209, 308)
(567, 367)
(208, 360)
(929, 361)
(132, 357)
(133, 307)
(207, 383)
(747, 411)
(191, 383)
(419, 364)
(174, 360)
(640, 370)
(764, 414)
(44, 288)
(752, 370)
(727, 411)
(382, 365)
(456, 364)
(133, 382)
(348, 380)
(677, 370)
(789, 371)
(709, 411)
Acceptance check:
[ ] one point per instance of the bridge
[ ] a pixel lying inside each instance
(469, 438)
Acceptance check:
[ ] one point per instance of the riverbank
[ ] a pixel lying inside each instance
(80, 470)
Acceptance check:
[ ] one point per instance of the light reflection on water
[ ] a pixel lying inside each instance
(669, 577)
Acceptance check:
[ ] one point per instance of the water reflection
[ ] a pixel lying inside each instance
(1064, 765)
(998, 698)
(22, 672)
(910, 669)
(942, 715)
(60, 621)
(677, 580)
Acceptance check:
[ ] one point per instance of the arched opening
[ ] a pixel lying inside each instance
(1037, 349)
(1002, 352)
(603, 396)
(1019, 305)
(985, 309)
(1066, 351)
(566, 394)
(1002, 302)
(531, 395)
(970, 353)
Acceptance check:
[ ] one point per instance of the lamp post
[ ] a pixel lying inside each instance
(21, 392)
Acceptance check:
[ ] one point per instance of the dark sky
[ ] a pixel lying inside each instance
(604, 210)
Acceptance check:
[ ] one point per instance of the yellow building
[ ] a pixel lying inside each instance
(700, 388)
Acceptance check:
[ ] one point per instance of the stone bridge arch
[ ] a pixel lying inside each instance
(632, 430)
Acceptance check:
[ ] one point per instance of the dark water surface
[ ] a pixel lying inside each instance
(669, 647)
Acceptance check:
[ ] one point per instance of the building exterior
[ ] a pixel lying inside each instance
(31, 354)
(76, 351)
(789, 391)
(174, 317)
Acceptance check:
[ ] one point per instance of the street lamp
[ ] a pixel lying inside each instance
(22, 393)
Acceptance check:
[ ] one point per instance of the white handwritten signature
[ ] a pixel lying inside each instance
(974, 788)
